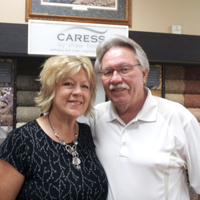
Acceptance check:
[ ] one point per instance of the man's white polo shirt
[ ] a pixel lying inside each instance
(146, 158)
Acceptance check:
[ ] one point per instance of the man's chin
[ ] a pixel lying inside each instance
(119, 100)
(117, 93)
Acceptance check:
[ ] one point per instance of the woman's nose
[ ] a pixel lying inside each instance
(77, 90)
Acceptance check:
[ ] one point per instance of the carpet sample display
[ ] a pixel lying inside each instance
(192, 100)
(26, 98)
(175, 97)
(29, 67)
(27, 88)
(28, 83)
(187, 100)
(182, 86)
(27, 114)
(182, 72)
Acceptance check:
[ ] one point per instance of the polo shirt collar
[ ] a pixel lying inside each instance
(147, 113)
(149, 109)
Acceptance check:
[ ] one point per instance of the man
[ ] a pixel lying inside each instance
(145, 143)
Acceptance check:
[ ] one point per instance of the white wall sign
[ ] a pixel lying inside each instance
(57, 38)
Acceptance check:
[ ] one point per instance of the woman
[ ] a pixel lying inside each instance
(53, 157)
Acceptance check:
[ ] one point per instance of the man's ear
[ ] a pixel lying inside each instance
(145, 74)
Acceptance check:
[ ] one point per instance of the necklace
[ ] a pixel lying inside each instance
(70, 149)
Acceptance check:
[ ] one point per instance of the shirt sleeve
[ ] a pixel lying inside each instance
(13, 149)
(192, 131)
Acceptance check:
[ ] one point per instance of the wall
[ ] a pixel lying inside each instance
(147, 15)
(12, 11)
(160, 15)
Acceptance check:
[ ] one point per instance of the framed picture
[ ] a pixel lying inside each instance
(117, 12)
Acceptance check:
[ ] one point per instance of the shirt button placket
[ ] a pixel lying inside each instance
(123, 140)
(123, 151)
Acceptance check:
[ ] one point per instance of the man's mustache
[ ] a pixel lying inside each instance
(118, 86)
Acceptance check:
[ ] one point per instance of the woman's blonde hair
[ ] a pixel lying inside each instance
(58, 67)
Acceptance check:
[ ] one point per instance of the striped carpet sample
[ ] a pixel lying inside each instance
(182, 85)
(187, 100)
(182, 72)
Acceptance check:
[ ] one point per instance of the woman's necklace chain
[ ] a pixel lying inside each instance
(70, 149)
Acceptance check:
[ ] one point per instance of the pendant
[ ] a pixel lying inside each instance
(70, 149)
(76, 161)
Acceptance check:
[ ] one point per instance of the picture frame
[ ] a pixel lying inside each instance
(119, 13)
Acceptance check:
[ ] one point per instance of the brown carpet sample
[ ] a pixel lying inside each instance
(28, 83)
(27, 114)
(182, 85)
(175, 97)
(191, 100)
(26, 98)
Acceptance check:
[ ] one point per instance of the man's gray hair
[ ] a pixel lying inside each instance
(121, 41)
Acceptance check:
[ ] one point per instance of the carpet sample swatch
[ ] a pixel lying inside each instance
(26, 98)
(182, 72)
(187, 100)
(27, 114)
(28, 83)
(182, 86)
